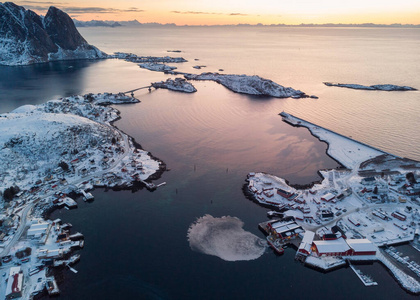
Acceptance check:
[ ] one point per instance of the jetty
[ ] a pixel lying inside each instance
(367, 281)
(86, 196)
(298, 122)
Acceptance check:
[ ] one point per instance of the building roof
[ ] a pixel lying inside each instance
(361, 245)
(332, 246)
(15, 282)
(308, 237)
(328, 196)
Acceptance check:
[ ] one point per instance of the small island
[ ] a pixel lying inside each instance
(151, 66)
(377, 87)
(177, 84)
(251, 85)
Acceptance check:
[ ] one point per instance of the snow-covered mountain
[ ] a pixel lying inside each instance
(27, 38)
(96, 23)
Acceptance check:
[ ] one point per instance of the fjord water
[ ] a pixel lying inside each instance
(136, 243)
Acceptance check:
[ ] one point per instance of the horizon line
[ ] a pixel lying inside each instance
(258, 24)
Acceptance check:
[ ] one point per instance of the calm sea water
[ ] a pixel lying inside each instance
(136, 244)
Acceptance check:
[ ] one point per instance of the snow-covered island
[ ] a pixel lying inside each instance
(27, 38)
(146, 59)
(151, 66)
(377, 87)
(355, 214)
(251, 85)
(177, 84)
(65, 146)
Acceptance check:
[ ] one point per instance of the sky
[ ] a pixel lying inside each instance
(221, 12)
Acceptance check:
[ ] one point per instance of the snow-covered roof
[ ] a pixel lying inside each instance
(328, 196)
(361, 245)
(332, 246)
(15, 282)
(308, 237)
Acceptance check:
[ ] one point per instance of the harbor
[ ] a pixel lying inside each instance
(350, 214)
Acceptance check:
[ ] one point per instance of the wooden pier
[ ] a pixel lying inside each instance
(367, 281)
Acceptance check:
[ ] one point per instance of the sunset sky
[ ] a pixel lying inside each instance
(211, 12)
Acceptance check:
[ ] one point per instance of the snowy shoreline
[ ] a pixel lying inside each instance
(351, 212)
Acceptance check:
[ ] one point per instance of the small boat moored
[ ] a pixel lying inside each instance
(275, 244)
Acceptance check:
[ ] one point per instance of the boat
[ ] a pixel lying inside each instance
(76, 236)
(275, 244)
(273, 213)
(66, 226)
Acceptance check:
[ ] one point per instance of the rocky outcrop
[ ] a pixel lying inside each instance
(377, 87)
(251, 85)
(27, 38)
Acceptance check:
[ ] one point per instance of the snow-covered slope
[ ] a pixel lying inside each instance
(76, 130)
(252, 85)
(26, 38)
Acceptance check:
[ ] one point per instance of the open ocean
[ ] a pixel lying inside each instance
(136, 243)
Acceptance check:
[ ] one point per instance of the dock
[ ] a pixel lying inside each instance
(367, 281)
(149, 186)
(52, 287)
(69, 202)
(86, 196)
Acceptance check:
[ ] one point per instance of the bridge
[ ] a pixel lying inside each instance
(140, 88)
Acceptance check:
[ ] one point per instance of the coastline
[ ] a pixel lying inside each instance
(94, 113)
(338, 206)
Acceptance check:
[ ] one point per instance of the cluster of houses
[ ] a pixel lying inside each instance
(314, 207)
(334, 243)
(391, 189)
(47, 244)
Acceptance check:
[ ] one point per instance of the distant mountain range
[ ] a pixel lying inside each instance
(106, 23)
(27, 38)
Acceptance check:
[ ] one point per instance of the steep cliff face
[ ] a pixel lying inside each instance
(27, 38)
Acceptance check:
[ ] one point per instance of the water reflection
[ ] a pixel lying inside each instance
(40, 82)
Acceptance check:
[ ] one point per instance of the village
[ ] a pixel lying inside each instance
(355, 214)
(84, 151)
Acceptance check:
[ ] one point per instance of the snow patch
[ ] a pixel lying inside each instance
(225, 238)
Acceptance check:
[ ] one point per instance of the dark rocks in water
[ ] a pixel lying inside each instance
(377, 87)
(27, 38)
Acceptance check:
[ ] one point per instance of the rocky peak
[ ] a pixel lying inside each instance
(61, 29)
(27, 38)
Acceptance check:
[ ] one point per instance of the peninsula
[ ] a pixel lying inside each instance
(355, 214)
(50, 151)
